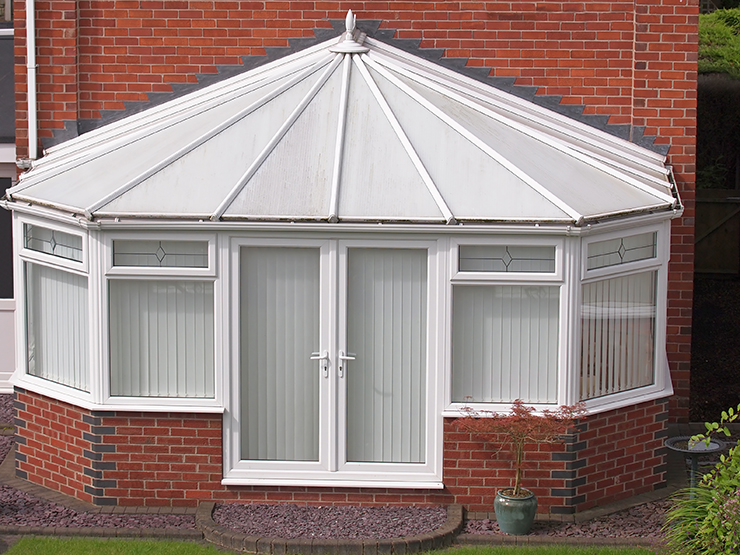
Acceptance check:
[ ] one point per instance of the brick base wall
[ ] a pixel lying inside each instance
(175, 460)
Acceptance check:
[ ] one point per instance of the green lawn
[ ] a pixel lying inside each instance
(92, 546)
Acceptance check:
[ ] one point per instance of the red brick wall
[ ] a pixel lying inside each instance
(633, 61)
(175, 459)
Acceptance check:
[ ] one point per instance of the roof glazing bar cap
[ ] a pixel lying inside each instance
(350, 45)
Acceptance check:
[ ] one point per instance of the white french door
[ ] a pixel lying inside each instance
(334, 365)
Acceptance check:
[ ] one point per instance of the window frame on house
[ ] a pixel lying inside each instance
(554, 278)
(26, 256)
(166, 274)
(661, 384)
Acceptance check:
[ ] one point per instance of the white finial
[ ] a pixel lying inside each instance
(350, 45)
(349, 22)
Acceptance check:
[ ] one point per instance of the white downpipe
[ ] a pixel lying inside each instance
(31, 78)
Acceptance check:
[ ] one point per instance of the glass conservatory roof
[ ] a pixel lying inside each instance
(349, 130)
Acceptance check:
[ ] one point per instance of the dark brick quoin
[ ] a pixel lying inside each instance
(628, 66)
(175, 460)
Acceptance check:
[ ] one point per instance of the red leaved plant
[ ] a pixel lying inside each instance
(521, 426)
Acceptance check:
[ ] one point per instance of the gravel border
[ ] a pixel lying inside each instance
(232, 539)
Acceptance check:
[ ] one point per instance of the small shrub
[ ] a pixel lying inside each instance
(705, 520)
(719, 42)
(520, 426)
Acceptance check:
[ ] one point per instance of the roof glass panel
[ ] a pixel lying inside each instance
(215, 166)
(295, 179)
(586, 188)
(475, 185)
(378, 177)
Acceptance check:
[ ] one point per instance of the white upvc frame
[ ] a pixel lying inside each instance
(168, 271)
(76, 266)
(154, 273)
(332, 469)
(661, 386)
(563, 247)
(22, 378)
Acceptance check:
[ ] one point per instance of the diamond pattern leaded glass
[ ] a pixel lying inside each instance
(52, 241)
(170, 254)
(614, 252)
(507, 258)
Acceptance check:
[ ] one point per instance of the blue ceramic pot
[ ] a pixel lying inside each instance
(515, 515)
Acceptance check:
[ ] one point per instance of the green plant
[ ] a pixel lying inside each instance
(719, 42)
(712, 176)
(706, 519)
(519, 427)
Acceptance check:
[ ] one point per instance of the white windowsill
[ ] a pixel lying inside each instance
(331, 482)
(81, 399)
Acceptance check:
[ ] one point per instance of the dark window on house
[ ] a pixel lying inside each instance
(6, 11)
(6, 248)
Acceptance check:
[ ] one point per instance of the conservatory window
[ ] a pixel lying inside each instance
(52, 241)
(56, 325)
(618, 334)
(622, 250)
(505, 343)
(162, 254)
(619, 314)
(507, 258)
(161, 323)
(505, 335)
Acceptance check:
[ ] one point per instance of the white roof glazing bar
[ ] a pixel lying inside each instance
(556, 144)
(118, 134)
(276, 138)
(539, 188)
(418, 164)
(316, 55)
(338, 150)
(521, 107)
(199, 141)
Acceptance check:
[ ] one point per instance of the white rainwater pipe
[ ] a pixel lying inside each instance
(31, 78)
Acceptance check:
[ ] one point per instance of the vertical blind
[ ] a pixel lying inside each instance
(57, 325)
(505, 343)
(618, 334)
(386, 330)
(161, 338)
(279, 330)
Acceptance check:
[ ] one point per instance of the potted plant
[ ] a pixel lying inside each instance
(516, 506)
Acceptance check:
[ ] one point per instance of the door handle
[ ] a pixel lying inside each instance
(342, 357)
(324, 358)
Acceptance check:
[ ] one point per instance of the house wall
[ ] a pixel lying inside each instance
(175, 460)
(630, 62)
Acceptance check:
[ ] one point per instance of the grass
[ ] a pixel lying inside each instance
(93, 546)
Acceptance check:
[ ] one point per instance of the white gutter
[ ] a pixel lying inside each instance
(31, 78)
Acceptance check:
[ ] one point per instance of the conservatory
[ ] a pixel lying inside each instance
(336, 251)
